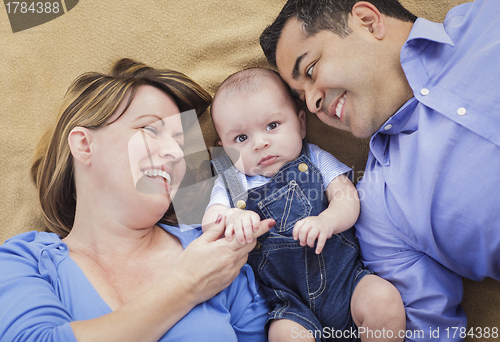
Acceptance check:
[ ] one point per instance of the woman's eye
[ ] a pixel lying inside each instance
(150, 129)
(241, 138)
(272, 126)
(309, 71)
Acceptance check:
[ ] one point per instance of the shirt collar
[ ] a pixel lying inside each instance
(428, 30)
(402, 122)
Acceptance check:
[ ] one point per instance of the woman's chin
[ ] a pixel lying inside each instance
(152, 186)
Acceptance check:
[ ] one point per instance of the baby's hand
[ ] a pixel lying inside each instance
(241, 223)
(313, 228)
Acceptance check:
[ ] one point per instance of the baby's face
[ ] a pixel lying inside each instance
(263, 127)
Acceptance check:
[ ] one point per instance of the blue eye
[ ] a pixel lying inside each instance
(272, 126)
(241, 138)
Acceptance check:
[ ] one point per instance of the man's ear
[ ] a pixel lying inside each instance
(80, 144)
(302, 121)
(370, 18)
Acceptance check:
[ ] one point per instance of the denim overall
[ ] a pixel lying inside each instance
(312, 290)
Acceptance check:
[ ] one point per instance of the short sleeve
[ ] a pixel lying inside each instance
(329, 166)
(249, 310)
(219, 194)
(30, 307)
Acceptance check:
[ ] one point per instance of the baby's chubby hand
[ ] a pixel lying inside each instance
(313, 228)
(241, 223)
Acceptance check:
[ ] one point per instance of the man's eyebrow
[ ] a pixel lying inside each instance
(295, 71)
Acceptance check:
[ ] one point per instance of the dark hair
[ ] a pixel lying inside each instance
(89, 102)
(318, 15)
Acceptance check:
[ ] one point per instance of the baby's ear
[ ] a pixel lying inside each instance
(302, 121)
(80, 141)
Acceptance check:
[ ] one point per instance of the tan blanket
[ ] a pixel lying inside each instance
(207, 40)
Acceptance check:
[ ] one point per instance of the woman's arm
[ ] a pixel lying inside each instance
(207, 266)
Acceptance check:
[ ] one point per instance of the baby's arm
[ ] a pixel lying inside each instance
(341, 214)
(239, 222)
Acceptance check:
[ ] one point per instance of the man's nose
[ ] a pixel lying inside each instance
(314, 100)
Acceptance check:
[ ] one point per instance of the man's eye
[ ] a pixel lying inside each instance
(310, 71)
(272, 126)
(241, 138)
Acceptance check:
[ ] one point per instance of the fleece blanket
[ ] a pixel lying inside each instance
(45, 45)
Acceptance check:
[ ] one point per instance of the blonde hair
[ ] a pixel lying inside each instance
(89, 102)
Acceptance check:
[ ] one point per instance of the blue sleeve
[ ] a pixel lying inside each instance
(249, 310)
(431, 292)
(30, 309)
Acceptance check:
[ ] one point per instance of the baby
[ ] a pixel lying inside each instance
(309, 261)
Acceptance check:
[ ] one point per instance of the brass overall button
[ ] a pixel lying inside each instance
(303, 167)
(241, 204)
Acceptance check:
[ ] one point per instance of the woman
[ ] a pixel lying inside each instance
(109, 272)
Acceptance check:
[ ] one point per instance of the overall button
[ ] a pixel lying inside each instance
(241, 204)
(303, 167)
(257, 245)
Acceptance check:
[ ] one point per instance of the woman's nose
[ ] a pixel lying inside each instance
(170, 148)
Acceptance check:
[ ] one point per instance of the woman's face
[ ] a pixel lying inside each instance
(139, 157)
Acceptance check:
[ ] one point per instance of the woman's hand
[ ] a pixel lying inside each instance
(209, 264)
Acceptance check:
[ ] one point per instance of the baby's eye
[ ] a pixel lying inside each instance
(272, 126)
(241, 138)
(309, 71)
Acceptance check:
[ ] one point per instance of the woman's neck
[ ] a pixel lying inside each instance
(106, 237)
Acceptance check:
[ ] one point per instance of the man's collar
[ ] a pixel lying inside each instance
(428, 30)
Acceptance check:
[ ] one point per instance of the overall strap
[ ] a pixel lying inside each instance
(305, 148)
(229, 175)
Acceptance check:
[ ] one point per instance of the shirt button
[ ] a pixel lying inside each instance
(303, 167)
(461, 111)
(388, 127)
(424, 91)
(241, 204)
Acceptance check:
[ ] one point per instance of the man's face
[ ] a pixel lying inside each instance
(344, 81)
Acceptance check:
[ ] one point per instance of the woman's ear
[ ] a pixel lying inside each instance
(302, 122)
(80, 144)
(370, 18)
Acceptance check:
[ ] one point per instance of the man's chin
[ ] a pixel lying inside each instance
(334, 122)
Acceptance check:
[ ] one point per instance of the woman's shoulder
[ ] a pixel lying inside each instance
(28, 247)
(33, 240)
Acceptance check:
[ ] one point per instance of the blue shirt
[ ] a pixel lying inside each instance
(42, 290)
(429, 197)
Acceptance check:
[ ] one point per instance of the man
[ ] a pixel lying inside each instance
(428, 94)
